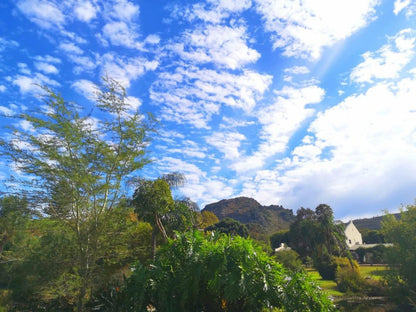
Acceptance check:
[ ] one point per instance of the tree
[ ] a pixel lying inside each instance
(315, 234)
(372, 236)
(208, 218)
(153, 200)
(76, 161)
(220, 273)
(229, 226)
(14, 213)
(278, 238)
(401, 256)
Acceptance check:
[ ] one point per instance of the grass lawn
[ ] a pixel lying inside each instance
(330, 287)
(375, 272)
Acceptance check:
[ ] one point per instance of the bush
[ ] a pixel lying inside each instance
(349, 280)
(222, 273)
(289, 259)
(326, 267)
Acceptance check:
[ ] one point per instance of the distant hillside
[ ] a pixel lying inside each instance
(373, 223)
(249, 211)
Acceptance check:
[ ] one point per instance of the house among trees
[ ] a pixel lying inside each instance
(353, 236)
(362, 252)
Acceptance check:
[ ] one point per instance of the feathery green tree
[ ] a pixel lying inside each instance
(75, 162)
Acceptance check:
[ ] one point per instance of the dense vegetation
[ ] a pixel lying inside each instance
(72, 239)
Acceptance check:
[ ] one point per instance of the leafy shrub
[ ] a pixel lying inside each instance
(349, 280)
(289, 259)
(221, 273)
(326, 266)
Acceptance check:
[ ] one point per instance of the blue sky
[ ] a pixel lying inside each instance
(289, 102)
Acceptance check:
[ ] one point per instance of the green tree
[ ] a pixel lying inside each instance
(278, 238)
(401, 256)
(75, 165)
(208, 218)
(229, 226)
(315, 234)
(372, 236)
(153, 200)
(220, 273)
(14, 214)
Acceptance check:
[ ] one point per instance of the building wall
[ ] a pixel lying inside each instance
(353, 236)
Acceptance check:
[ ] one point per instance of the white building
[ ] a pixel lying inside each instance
(353, 236)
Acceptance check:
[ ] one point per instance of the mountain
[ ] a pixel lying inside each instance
(373, 223)
(248, 211)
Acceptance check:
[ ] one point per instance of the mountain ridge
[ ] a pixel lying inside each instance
(270, 218)
(248, 211)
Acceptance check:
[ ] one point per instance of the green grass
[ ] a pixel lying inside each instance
(375, 272)
(330, 287)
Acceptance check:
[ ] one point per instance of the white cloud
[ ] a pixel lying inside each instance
(31, 84)
(47, 59)
(85, 87)
(404, 5)
(229, 122)
(297, 70)
(70, 47)
(126, 69)
(124, 10)
(388, 61)
(84, 63)
(304, 28)
(214, 11)
(27, 126)
(85, 11)
(120, 34)
(198, 186)
(133, 102)
(152, 39)
(192, 95)
(227, 143)
(218, 44)
(363, 153)
(2, 88)
(6, 111)
(46, 68)
(4, 43)
(43, 13)
(280, 121)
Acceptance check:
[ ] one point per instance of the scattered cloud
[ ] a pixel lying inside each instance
(360, 164)
(45, 14)
(388, 61)
(85, 11)
(124, 10)
(120, 34)
(6, 111)
(4, 44)
(222, 45)
(303, 28)
(46, 68)
(227, 143)
(214, 11)
(85, 87)
(70, 47)
(297, 70)
(407, 6)
(30, 84)
(125, 69)
(192, 95)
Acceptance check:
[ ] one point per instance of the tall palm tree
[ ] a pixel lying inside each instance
(153, 198)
